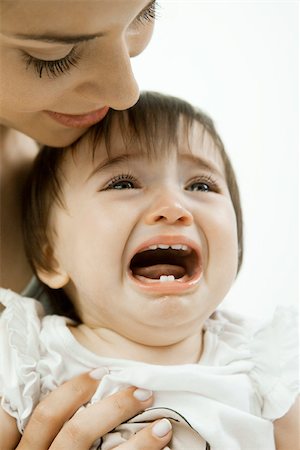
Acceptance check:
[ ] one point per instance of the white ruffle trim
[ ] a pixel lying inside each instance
(274, 349)
(19, 355)
(271, 349)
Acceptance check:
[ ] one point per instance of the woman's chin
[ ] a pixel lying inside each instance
(59, 138)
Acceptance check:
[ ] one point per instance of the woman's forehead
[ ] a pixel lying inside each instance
(66, 16)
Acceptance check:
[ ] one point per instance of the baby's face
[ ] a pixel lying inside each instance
(147, 247)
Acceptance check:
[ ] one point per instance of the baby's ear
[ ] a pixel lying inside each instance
(55, 277)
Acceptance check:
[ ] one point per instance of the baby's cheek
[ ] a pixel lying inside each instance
(222, 259)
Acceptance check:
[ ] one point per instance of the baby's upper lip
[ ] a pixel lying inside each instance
(175, 241)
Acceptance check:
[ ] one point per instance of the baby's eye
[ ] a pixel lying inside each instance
(198, 187)
(123, 182)
(204, 184)
(122, 185)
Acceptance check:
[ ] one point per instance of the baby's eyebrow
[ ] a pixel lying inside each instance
(108, 163)
(204, 164)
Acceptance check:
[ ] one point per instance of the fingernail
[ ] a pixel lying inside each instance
(142, 394)
(99, 373)
(162, 428)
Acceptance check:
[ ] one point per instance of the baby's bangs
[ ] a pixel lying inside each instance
(151, 125)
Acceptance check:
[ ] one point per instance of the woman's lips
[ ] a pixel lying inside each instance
(79, 120)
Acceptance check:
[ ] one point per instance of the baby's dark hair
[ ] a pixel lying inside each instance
(154, 118)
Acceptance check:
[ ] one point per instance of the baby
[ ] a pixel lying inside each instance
(136, 230)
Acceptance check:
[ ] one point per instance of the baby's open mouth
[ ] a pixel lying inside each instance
(165, 263)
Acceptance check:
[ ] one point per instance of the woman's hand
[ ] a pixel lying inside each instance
(55, 426)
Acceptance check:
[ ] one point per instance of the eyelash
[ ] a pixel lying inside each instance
(209, 181)
(148, 15)
(61, 66)
(121, 177)
(53, 68)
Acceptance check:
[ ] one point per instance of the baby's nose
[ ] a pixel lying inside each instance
(169, 211)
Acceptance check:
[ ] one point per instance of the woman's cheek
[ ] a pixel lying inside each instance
(137, 42)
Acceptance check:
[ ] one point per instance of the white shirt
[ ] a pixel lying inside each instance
(246, 378)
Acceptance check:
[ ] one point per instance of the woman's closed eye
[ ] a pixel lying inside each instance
(53, 68)
(148, 14)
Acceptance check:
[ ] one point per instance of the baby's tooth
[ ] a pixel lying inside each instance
(176, 246)
(163, 246)
(163, 278)
(166, 246)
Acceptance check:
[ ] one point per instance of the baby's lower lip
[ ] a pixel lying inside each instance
(167, 287)
(79, 120)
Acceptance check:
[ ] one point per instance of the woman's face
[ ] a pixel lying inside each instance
(64, 62)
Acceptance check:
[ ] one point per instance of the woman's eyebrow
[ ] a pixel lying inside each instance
(58, 39)
(68, 39)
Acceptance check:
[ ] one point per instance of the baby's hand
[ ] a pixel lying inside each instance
(55, 426)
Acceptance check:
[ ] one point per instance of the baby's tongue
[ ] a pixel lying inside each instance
(157, 270)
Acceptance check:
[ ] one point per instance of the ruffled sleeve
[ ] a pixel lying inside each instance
(275, 374)
(20, 324)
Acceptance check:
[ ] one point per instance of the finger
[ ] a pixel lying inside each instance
(51, 413)
(93, 422)
(153, 437)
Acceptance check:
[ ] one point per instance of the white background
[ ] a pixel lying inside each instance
(238, 61)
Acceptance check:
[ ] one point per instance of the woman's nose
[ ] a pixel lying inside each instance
(169, 211)
(111, 81)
